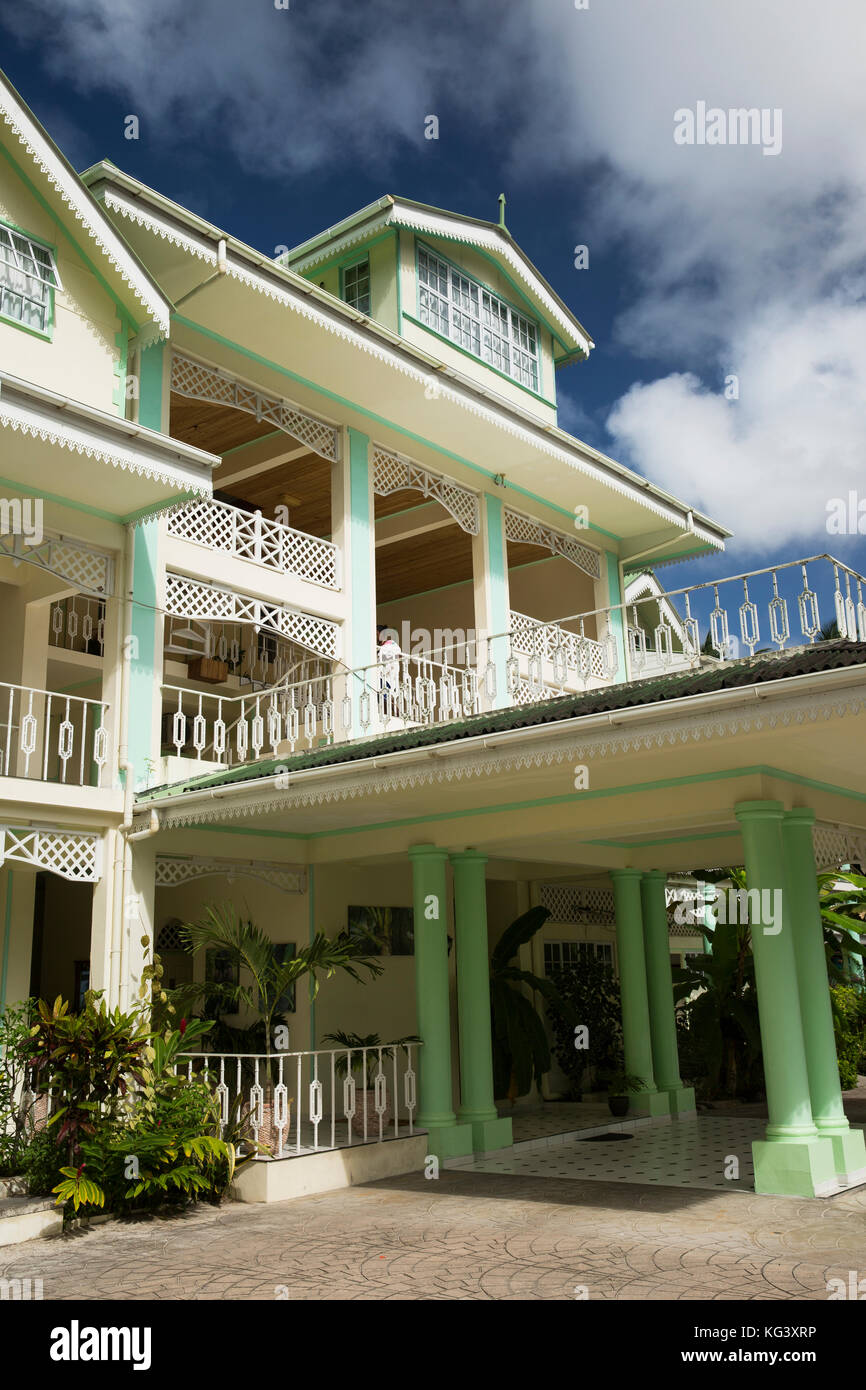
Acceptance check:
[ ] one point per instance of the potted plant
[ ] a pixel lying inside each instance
(365, 1091)
(620, 1085)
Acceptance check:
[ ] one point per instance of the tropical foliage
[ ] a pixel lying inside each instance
(591, 992)
(521, 1052)
(354, 1042)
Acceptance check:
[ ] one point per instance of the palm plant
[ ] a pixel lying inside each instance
(357, 1043)
(842, 900)
(521, 1052)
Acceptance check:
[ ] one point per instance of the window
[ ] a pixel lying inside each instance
(28, 279)
(562, 954)
(356, 286)
(453, 304)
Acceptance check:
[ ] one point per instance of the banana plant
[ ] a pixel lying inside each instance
(521, 1052)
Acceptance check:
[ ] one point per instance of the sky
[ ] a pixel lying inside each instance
(726, 282)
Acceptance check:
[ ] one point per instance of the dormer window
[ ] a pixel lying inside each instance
(356, 285)
(460, 308)
(28, 279)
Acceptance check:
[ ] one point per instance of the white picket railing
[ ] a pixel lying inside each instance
(305, 1102)
(250, 536)
(51, 737)
(571, 656)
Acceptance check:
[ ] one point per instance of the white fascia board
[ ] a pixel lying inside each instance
(121, 443)
(285, 287)
(84, 208)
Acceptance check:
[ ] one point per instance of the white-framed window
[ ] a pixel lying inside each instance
(453, 304)
(356, 286)
(562, 954)
(28, 279)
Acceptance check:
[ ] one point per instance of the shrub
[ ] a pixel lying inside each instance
(16, 1100)
(591, 991)
(41, 1162)
(848, 1027)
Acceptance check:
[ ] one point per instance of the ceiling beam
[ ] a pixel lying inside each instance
(223, 480)
(416, 522)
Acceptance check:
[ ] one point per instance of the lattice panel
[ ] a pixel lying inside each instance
(71, 854)
(566, 651)
(391, 473)
(188, 598)
(519, 527)
(171, 873)
(837, 845)
(251, 536)
(583, 906)
(83, 566)
(169, 937)
(198, 382)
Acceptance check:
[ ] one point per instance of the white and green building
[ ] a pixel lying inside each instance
(220, 471)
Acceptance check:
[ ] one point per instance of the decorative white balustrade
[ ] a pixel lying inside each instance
(306, 1102)
(405, 692)
(557, 658)
(50, 737)
(77, 624)
(798, 603)
(251, 536)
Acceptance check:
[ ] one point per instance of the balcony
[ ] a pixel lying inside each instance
(786, 606)
(251, 536)
(51, 737)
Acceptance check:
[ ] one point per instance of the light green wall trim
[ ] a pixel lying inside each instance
(362, 581)
(150, 387)
(251, 443)
(143, 677)
(616, 617)
(311, 893)
(7, 937)
(667, 840)
(16, 486)
(379, 419)
(46, 207)
(512, 381)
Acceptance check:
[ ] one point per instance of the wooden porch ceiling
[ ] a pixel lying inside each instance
(419, 563)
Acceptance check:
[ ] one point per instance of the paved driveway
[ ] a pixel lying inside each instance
(467, 1235)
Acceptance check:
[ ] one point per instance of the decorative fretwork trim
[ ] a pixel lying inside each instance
(190, 598)
(393, 473)
(571, 747)
(171, 872)
(595, 907)
(91, 570)
(199, 382)
(72, 854)
(522, 528)
(81, 205)
(836, 845)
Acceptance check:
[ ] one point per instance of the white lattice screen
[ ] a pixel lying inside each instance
(519, 527)
(199, 382)
(188, 598)
(171, 872)
(836, 845)
(570, 902)
(70, 854)
(82, 565)
(393, 473)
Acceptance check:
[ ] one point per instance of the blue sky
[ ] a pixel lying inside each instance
(705, 261)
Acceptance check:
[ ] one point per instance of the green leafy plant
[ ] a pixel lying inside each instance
(848, 1026)
(521, 1053)
(78, 1189)
(621, 1083)
(591, 991)
(41, 1161)
(17, 1100)
(353, 1042)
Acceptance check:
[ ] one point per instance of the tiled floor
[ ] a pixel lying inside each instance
(703, 1152)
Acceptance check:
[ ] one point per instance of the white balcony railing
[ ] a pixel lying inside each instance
(304, 1102)
(250, 536)
(51, 737)
(77, 624)
(556, 656)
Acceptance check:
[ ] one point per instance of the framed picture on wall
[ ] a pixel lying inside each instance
(391, 928)
(284, 951)
(220, 968)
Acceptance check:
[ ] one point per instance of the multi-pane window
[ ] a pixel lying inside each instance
(28, 279)
(356, 286)
(561, 954)
(459, 308)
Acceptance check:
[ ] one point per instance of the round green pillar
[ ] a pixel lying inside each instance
(815, 1010)
(429, 891)
(477, 1106)
(660, 995)
(633, 982)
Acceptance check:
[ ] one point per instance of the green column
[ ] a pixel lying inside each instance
(477, 1106)
(792, 1159)
(636, 1035)
(660, 995)
(436, 1113)
(815, 1011)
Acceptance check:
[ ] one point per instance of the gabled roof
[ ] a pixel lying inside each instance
(69, 199)
(490, 237)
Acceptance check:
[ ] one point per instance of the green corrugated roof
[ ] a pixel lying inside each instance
(761, 668)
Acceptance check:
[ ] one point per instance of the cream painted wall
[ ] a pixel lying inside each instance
(65, 935)
(80, 360)
(383, 281)
(17, 889)
(551, 589)
(450, 608)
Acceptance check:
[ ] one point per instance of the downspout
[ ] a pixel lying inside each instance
(124, 766)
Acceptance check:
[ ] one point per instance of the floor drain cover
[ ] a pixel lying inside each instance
(604, 1138)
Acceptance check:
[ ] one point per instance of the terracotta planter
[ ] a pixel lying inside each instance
(268, 1131)
(365, 1102)
(618, 1105)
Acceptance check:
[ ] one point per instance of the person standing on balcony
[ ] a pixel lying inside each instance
(388, 654)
